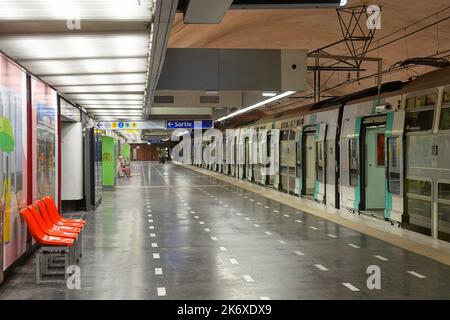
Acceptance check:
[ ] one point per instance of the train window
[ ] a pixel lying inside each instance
(320, 164)
(420, 102)
(394, 151)
(354, 163)
(410, 103)
(444, 211)
(444, 123)
(284, 135)
(446, 97)
(380, 149)
(444, 221)
(430, 100)
(444, 191)
(418, 187)
(419, 120)
(419, 212)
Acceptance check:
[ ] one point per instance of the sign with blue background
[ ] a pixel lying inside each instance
(189, 124)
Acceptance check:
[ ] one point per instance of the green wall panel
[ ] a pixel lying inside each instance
(108, 161)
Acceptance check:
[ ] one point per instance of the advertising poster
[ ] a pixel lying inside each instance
(13, 153)
(44, 140)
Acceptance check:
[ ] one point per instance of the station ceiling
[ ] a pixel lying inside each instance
(103, 66)
(408, 29)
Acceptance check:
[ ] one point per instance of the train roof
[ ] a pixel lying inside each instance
(428, 80)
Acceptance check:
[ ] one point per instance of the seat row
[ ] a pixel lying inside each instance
(60, 238)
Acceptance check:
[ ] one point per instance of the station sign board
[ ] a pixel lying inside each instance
(189, 124)
(126, 125)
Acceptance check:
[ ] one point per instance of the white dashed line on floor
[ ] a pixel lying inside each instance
(214, 238)
(287, 216)
(416, 274)
(201, 222)
(353, 245)
(331, 235)
(154, 245)
(207, 229)
(248, 278)
(248, 219)
(299, 253)
(161, 292)
(281, 241)
(158, 271)
(381, 258)
(151, 227)
(222, 249)
(320, 267)
(299, 221)
(233, 261)
(268, 233)
(156, 256)
(350, 286)
(313, 228)
(256, 225)
(152, 235)
(276, 211)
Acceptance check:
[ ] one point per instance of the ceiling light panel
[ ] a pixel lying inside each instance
(96, 79)
(86, 66)
(88, 103)
(116, 107)
(81, 9)
(106, 96)
(103, 88)
(74, 46)
(104, 113)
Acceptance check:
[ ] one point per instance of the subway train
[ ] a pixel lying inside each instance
(385, 154)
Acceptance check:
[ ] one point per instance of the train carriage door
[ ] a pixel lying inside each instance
(264, 141)
(253, 152)
(310, 162)
(275, 157)
(234, 165)
(321, 135)
(241, 154)
(375, 194)
(299, 161)
(394, 156)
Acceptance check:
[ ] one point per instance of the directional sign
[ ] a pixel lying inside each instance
(189, 124)
(156, 124)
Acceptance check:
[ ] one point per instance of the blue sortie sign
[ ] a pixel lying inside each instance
(189, 124)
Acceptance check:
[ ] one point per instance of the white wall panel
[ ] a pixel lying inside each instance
(71, 161)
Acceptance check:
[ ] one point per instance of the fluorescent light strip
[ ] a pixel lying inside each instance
(183, 133)
(257, 105)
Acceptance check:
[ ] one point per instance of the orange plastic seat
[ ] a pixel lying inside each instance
(49, 231)
(48, 222)
(56, 217)
(39, 235)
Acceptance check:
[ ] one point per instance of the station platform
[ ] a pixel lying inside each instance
(170, 232)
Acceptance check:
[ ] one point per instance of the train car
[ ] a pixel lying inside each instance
(385, 154)
(426, 184)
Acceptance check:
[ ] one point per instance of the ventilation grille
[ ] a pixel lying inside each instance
(164, 99)
(209, 99)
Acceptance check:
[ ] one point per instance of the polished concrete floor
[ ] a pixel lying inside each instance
(172, 233)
